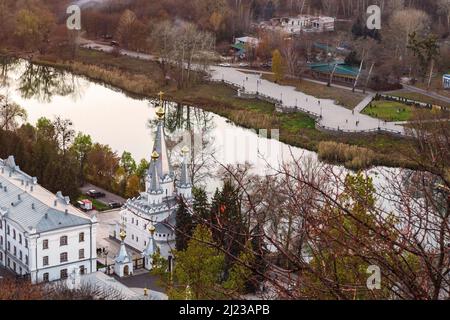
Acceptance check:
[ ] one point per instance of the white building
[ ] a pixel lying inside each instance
(149, 219)
(446, 81)
(323, 24)
(247, 41)
(41, 234)
(301, 23)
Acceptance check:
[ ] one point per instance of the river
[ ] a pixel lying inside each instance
(125, 123)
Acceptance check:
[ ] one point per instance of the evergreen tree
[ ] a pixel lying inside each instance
(228, 225)
(198, 267)
(201, 205)
(184, 225)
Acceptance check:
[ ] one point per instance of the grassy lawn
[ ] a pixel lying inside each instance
(419, 97)
(389, 110)
(98, 205)
(343, 97)
(121, 62)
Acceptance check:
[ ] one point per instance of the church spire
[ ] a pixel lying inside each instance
(154, 186)
(151, 248)
(159, 145)
(184, 185)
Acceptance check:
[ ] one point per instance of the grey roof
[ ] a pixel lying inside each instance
(155, 186)
(168, 225)
(23, 201)
(185, 180)
(123, 256)
(151, 248)
(164, 167)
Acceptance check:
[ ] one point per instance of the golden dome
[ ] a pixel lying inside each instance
(155, 155)
(123, 235)
(185, 150)
(160, 112)
(151, 228)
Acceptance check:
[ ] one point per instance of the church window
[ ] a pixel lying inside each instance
(45, 244)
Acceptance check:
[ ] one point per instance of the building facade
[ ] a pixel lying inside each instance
(301, 23)
(41, 234)
(446, 81)
(149, 219)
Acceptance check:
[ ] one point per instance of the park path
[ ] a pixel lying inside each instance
(332, 116)
(360, 107)
(427, 93)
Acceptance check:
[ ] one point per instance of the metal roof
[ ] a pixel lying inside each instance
(31, 206)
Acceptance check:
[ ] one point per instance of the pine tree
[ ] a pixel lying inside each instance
(198, 267)
(201, 206)
(228, 225)
(184, 225)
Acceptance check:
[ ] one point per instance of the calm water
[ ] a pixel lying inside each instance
(126, 124)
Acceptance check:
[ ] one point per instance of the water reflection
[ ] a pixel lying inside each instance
(192, 127)
(42, 83)
(7, 63)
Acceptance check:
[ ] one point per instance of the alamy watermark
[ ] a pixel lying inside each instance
(374, 19)
(374, 280)
(74, 20)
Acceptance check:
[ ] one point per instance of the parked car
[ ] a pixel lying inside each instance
(85, 205)
(243, 64)
(95, 194)
(114, 205)
(224, 64)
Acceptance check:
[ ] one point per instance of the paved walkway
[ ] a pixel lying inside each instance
(333, 116)
(427, 93)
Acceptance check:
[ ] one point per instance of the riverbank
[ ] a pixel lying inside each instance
(140, 78)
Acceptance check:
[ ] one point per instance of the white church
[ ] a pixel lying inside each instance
(147, 222)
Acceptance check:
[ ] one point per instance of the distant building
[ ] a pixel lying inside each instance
(301, 23)
(42, 236)
(446, 81)
(342, 71)
(242, 44)
(323, 24)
